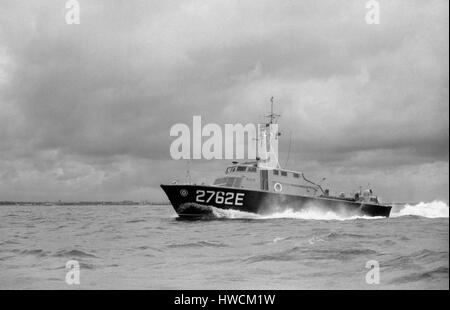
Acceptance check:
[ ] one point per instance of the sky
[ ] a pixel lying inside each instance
(86, 110)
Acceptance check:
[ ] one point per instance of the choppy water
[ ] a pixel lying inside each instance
(145, 247)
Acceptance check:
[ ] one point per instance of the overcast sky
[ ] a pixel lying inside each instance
(86, 110)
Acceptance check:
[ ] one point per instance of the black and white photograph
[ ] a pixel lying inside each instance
(241, 147)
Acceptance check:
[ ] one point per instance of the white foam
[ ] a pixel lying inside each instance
(434, 209)
(233, 214)
(276, 239)
(310, 213)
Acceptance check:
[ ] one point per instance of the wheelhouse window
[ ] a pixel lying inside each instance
(284, 173)
(230, 170)
(275, 172)
(241, 168)
(251, 169)
(296, 175)
(228, 182)
(220, 181)
(237, 182)
(232, 182)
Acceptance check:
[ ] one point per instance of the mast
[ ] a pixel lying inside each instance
(272, 116)
(268, 132)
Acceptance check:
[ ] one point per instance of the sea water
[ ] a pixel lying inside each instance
(146, 247)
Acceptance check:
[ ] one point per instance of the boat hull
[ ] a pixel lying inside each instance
(194, 201)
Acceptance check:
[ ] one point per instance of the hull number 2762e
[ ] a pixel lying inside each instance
(227, 198)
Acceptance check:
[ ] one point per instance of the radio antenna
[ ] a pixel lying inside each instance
(272, 116)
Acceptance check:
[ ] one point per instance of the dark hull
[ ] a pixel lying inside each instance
(196, 200)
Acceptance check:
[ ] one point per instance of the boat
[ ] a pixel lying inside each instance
(254, 187)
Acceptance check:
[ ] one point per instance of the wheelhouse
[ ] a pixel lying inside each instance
(248, 175)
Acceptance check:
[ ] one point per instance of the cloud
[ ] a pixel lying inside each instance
(83, 106)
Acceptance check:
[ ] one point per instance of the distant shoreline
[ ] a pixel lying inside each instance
(119, 203)
(82, 203)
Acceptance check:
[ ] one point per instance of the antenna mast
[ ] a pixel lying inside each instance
(272, 116)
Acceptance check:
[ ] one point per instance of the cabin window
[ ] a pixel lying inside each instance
(230, 182)
(284, 173)
(275, 172)
(296, 175)
(251, 169)
(220, 181)
(241, 168)
(237, 182)
(233, 169)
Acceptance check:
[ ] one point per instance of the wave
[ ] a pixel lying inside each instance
(310, 213)
(233, 214)
(214, 244)
(297, 253)
(36, 252)
(434, 209)
(73, 253)
(437, 273)
(136, 221)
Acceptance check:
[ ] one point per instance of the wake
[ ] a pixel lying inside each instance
(305, 214)
(435, 209)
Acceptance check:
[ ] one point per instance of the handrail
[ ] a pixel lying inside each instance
(318, 185)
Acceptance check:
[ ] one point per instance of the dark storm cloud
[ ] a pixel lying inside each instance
(88, 105)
